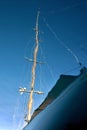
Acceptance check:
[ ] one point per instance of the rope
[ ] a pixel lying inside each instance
(62, 43)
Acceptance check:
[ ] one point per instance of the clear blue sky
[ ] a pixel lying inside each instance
(61, 23)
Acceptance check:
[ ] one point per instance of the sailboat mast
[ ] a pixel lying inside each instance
(35, 54)
(33, 72)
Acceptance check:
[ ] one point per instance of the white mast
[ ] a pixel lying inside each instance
(34, 60)
(33, 72)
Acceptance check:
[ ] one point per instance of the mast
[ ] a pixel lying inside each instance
(34, 60)
(33, 72)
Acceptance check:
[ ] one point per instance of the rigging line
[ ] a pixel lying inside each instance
(67, 8)
(24, 74)
(75, 68)
(71, 70)
(74, 5)
(44, 59)
(41, 55)
(21, 121)
(40, 77)
(62, 43)
(25, 49)
(49, 67)
(67, 71)
(40, 74)
(51, 72)
(15, 111)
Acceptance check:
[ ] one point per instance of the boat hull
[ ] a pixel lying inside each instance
(68, 111)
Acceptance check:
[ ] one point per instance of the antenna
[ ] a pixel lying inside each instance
(34, 60)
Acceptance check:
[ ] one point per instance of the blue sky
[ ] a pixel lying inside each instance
(61, 23)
